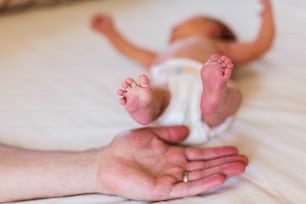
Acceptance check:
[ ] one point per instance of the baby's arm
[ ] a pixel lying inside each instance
(103, 24)
(242, 52)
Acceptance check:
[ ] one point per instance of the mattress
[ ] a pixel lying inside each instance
(58, 82)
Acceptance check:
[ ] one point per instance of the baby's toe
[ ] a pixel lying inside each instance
(213, 58)
(128, 83)
(121, 92)
(122, 101)
(144, 81)
(131, 82)
(221, 59)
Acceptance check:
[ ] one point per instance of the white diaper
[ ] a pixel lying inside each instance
(182, 76)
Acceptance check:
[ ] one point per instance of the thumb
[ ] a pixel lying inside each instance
(171, 134)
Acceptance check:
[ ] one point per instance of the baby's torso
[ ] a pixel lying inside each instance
(195, 48)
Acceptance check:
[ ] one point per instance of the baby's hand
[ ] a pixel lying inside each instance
(267, 8)
(102, 23)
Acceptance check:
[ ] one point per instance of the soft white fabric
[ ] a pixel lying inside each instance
(58, 83)
(182, 77)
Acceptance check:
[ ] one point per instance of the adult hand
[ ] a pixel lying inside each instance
(139, 164)
(142, 164)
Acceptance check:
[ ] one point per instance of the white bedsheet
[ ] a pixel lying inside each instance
(58, 83)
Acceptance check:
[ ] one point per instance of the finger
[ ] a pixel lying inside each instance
(198, 165)
(228, 169)
(210, 153)
(171, 134)
(193, 188)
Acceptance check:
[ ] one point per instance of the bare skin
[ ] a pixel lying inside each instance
(138, 99)
(154, 166)
(215, 74)
(220, 97)
(197, 38)
(218, 101)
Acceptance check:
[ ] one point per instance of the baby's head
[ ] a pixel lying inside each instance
(202, 26)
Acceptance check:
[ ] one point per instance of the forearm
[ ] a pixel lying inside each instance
(27, 174)
(266, 33)
(143, 56)
(243, 52)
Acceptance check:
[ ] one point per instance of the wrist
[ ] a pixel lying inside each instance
(109, 33)
(100, 164)
(89, 161)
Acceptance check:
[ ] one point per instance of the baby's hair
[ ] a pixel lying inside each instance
(227, 33)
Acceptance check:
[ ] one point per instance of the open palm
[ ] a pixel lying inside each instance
(142, 164)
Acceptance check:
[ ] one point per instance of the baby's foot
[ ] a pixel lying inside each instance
(137, 98)
(215, 75)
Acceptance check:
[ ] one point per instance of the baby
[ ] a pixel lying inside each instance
(181, 84)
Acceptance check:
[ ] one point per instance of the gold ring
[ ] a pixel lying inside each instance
(186, 177)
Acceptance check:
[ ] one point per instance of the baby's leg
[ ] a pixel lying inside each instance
(143, 102)
(220, 97)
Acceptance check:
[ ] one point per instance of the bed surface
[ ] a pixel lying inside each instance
(58, 82)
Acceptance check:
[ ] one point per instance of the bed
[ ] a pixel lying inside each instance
(58, 82)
